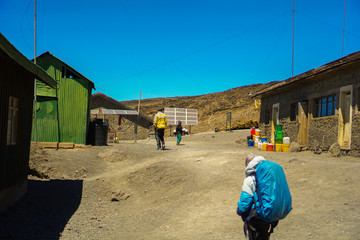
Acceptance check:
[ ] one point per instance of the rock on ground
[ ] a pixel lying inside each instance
(335, 150)
(294, 147)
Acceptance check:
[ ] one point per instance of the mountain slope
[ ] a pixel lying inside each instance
(212, 108)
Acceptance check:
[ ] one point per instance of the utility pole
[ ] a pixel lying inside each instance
(137, 119)
(35, 98)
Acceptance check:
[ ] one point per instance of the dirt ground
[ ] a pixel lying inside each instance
(189, 191)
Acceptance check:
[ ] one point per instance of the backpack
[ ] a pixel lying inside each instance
(273, 198)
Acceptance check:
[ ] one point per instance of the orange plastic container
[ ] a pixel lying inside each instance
(270, 147)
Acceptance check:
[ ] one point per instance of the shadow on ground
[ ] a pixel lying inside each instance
(44, 210)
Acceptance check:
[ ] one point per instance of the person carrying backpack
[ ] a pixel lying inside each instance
(265, 198)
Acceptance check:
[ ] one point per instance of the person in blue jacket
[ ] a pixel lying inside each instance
(254, 227)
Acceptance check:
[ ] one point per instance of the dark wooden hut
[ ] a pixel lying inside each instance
(17, 75)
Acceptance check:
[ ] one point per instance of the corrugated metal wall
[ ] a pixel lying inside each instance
(72, 118)
(47, 128)
(14, 159)
(47, 120)
(73, 110)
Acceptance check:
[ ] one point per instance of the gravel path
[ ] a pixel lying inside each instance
(132, 191)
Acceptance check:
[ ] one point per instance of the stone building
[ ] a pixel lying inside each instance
(121, 125)
(317, 108)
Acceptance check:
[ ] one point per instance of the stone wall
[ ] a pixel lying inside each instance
(323, 132)
(290, 130)
(125, 131)
(355, 134)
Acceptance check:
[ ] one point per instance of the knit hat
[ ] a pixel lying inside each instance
(248, 159)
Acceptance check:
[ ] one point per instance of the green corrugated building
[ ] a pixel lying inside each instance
(63, 114)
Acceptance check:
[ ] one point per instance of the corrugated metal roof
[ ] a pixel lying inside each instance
(18, 57)
(119, 112)
(120, 105)
(107, 98)
(69, 67)
(311, 73)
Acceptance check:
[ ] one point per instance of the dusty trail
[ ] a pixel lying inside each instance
(190, 191)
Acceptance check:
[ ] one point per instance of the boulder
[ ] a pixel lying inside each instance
(117, 196)
(296, 160)
(335, 150)
(294, 147)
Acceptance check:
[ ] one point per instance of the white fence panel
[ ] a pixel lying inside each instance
(186, 116)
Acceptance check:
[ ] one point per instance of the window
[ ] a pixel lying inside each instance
(67, 73)
(325, 106)
(12, 121)
(293, 111)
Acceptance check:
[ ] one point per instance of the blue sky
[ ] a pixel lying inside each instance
(168, 48)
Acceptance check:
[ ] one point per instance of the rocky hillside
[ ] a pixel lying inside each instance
(212, 108)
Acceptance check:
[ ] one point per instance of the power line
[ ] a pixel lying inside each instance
(154, 43)
(273, 49)
(21, 26)
(195, 52)
(326, 23)
(342, 51)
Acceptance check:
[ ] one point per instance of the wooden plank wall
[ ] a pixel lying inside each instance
(17, 82)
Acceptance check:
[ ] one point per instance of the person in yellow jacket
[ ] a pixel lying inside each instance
(160, 123)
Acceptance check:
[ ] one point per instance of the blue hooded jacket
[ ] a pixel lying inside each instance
(246, 202)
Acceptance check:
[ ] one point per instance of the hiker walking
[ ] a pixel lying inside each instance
(259, 224)
(160, 123)
(178, 132)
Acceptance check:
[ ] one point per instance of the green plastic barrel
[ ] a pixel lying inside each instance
(278, 128)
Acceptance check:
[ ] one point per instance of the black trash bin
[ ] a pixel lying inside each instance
(98, 132)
